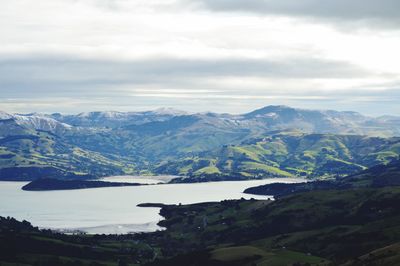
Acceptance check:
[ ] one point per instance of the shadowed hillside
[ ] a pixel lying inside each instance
(272, 141)
(283, 154)
(349, 227)
(385, 175)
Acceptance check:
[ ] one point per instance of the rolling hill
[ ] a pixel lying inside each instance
(330, 227)
(285, 153)
(383, 175)
(271, 141)
(349, 227)
(27, 154)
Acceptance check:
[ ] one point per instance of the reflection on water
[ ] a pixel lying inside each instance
(140, 179)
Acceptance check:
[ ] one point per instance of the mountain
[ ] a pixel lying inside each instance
(42, 123)
(383, 175)
(194, 133)
(188, 134)
(267, 118)
(115, 119)
(36, 122)
(27, 153)
(323, 121)
(378, 176)
(287, 153)
(271, 141)
(40, 154)
(5, 116)
(9, 127)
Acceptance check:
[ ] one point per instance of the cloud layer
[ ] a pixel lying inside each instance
(197, 55)
(383, 12)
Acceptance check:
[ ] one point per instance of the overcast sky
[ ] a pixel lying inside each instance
(199, 55)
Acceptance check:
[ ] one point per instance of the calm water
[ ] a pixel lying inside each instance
(140, 179)
(112, 210)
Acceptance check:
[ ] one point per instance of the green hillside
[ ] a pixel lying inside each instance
(383, 175)
(286, 154)
(32, 154)
(326, 228)
(348, 227)
(203, 147)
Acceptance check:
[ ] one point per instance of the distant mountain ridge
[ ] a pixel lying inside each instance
(117, 119)
(166, 140)
(37, 122)
(274, 117)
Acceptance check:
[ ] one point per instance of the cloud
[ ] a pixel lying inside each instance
(80, 55)
(41, 73)
(384, 103)
(59, 83)
(382, 12)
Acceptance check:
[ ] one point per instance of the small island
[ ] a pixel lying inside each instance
(154, 205)
(46, 184)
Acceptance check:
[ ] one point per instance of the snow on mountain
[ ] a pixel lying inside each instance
(4, 115)
(261, 120)
(169, 111)
(115, 119)
(37, 122)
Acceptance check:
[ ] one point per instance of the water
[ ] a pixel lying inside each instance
(113, 210)
(140, 179)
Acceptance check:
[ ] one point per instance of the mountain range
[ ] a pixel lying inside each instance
(271, 141)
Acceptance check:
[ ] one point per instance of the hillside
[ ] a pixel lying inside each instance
(378, 176)
(289, 154)
(384, 175)
(27, 154)
(349, 227)
(194, 133)
(269, 117)
(271, 141)
(335, 226)
(115, 119)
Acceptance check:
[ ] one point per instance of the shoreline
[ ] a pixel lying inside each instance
(117, 206)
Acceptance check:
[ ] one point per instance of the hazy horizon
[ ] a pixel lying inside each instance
(166, 109)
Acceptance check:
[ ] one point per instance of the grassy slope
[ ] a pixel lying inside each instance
(40, 150)
(335, 225)
(380, 175)
(290, 154)
(389, 255)
(315, 228)
(196, 150)
(375, 177)
(21, 244)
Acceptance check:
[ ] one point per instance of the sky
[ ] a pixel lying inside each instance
(231, 56)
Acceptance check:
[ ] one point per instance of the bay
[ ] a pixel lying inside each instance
(113, 210)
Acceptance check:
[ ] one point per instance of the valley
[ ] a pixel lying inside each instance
(199, 133)
(295, 187)
(275, 141)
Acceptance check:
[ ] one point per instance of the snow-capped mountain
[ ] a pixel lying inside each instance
(42, 123)
(4, 115)
(37, 122)
(116, 119)
(261, 120)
